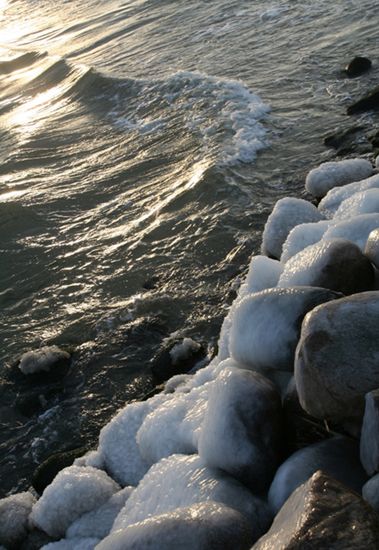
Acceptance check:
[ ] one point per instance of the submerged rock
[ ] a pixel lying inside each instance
(370, 434)
(323, 514)
(337, 456)
(368, 102)
(337, 357)
(200, 526)
(357, 66)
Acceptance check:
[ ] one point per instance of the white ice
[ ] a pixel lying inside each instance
(372, 247)
(14, 514)
(331, 202)
(334, 174)
(364, 202)
(355, 229)
(183, 350)
(302, 236)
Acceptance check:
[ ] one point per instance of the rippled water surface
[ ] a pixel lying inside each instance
(143, 144)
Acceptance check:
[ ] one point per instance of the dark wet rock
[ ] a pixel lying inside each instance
(370, 434)
(340, 137)
(357, 66)
(14, 514)
(370, 492)
(35, 540)
(368, 102)
(372, 247)
(266, 326)
(323, 514)
(46, 472)
(151, 283)
(176, 357)
(337, 456)
(336, 361)
(355, 139)
(337, 264)
(201, 526)
(242, 428)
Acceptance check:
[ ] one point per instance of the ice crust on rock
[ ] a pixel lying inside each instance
(14, 514)
(286, 214)
(355, 229)
(364, 202)
(329, 205)
(370, 492)
(98, 523)
(73, 544)
(301, 236)
(42, 359)
(337, 457)
(334, 174)
(74, 491)
(180, 481)
(372, 247)
(266, 326)
(201, 527)
(337, 264)
(183, 350)
(263, 273)
(241, 432)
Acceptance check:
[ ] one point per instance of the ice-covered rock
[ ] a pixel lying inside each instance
(42, 359)
(337, 264)
(372, 247)
(364, 202)
(337, 457)
(241, 433)
(183, 481)
(334, 174)
(73, 544)
(263, 273)
(322, 514)
(301, 236)
(370, 434)
(286, 214)
(370, 492)
(377, 162)
(201, 527)
(75, 491)
(337, 357)
(98, 523)
(14, 514)
(355, 229)
(332, 200)
(266, 326)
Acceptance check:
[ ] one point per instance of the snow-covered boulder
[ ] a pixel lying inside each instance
(301, 236)
(14, 514)
(370, 492)
(370, 434)
(200, 526)
(180, 481)
(263, 273)
(337, 457)
(329, 205)
(286, 214)
(42, 359)
(241, 433)
(364, 202)
(337, 264)
(355, 229)
(334, 174)
(337, 357)
(73, 544)
(98, 523)
(74, 491)
(372, 247)
(266, 326)
(322, 513)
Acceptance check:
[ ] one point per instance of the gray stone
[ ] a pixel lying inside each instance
(14, 514)
(337, 264)
(266, 326)
(323, 514)
(357, 66)
(370, 434)
(242, 428)
(337, 456)
(372, 247)
(202, 527)
(336, 360)
(370, 492)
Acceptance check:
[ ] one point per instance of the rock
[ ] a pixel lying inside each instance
(335, 174)
(337, 457)
(323, 514)
(372, 247)
(14, 514)
(286, 214)
(35, 540)
(43, 360)
(265, 326)
(242, 428)
(336, 360)
(368, 102)
(201, 526)
(339, 138)
(370, 434)
(73, 544)
(176, 357)
(46, 472)
(351, 141)
(336, 264)
(357, 66)
(370, 492)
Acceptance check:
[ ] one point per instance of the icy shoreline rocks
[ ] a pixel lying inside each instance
(205, 463)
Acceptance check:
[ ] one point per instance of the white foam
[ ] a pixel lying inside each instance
(334, 174)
